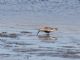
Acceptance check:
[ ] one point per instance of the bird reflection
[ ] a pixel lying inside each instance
(47, 38)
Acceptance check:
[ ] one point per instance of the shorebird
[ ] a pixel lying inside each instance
(47, 30)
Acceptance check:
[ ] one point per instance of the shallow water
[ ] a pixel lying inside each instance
(19, 16)
(62, 44)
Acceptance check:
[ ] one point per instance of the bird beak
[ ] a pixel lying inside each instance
(38, 32)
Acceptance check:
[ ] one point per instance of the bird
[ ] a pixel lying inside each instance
(47, 30)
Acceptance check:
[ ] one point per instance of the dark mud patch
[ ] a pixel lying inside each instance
(4, 55)
(59, 55)
(28, 50)
(25, 32)
(11, 35)
(19, 43)
(68, 47)
(25, 50)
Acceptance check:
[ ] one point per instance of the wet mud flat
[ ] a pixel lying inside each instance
(20, 44)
